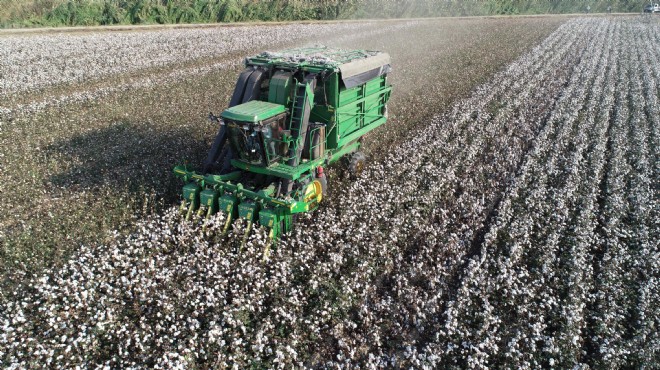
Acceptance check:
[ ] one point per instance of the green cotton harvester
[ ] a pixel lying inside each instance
(291, 114)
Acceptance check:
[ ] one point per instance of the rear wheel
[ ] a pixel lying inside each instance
(221, 164)
(356, 164)
(224, 162)
(324, 185)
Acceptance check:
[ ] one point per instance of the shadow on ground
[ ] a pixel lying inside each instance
(126, 156)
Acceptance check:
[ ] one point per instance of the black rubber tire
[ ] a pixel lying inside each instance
(356, 164)
(243, 78)
(222, 165)
(324, 185)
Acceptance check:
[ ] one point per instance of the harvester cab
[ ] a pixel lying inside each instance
(291, 113)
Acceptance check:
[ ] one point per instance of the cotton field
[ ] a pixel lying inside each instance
(64, 58)
(36, 63)
(518, 228)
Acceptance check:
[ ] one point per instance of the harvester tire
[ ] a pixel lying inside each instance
(324, 185)
(356, 164)
(223, 163)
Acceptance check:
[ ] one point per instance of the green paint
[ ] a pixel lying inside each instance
(262, 133)
(253, 111)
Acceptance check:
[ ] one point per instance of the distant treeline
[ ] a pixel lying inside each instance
(28, 13)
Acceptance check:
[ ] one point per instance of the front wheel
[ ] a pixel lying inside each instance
(219, 162)
(324, 185)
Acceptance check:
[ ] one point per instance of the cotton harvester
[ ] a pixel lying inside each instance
(291, 113)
